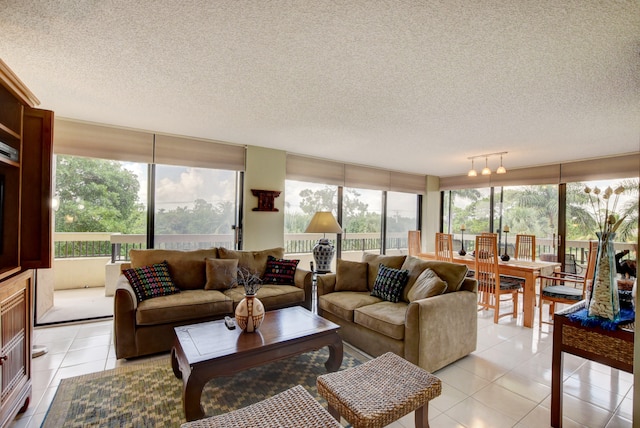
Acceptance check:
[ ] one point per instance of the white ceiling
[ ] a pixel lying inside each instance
(415, 86)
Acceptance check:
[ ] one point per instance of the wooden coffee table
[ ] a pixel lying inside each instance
(204, 351)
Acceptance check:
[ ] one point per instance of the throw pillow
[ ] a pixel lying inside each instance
(451, 273)
(187, 268)
(252, 261)
(389, 283)
(280, 271)
(351, 276)
(428, 284)
(151, 281)
(375, 260)
(221, 273)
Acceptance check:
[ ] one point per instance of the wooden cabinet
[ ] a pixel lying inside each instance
(15, 345)
(36, 172)
(26, 141)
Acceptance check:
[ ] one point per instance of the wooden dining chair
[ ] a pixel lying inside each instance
(414, 243)
(525, 247)
(444, 247)
(492, 286)
(566, 287)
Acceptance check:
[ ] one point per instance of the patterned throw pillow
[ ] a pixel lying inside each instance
(151, 281)
(280, 271)
(389, 283)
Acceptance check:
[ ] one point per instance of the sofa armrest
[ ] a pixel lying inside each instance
(124, 319)
(326, 283)
(469, 284)
(441, 329)
(304, 279)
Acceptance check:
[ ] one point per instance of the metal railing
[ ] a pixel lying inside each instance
(117, 246)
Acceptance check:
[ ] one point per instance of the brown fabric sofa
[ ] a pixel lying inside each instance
(430, 332)
(146, 327)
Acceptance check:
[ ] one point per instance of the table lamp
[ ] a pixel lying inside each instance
(323, 222)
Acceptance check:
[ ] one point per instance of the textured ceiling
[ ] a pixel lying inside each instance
(415, 86)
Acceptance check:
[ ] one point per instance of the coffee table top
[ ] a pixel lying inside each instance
(212, 340)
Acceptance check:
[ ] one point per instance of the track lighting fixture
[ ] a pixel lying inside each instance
(486, 170)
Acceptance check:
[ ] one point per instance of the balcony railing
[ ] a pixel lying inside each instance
(117, 246)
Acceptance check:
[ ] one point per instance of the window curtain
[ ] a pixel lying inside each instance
(323, 171)
(106, 142)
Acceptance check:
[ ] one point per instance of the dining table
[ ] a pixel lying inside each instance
(527, 269)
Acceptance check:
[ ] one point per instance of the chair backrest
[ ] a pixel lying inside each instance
(591, 261)
(570, 263)
(525, 247)
(486, 266)
(414, 242)
(444, 247)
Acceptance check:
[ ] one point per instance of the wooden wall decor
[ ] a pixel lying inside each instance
(266, 199)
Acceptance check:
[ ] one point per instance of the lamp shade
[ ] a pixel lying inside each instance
(323, 222)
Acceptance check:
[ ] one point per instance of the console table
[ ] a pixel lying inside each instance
(612, 348)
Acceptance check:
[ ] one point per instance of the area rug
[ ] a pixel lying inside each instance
(149, 394)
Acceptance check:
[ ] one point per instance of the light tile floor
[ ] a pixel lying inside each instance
(506, 382)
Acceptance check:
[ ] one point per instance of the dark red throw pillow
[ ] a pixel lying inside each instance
(280, 271)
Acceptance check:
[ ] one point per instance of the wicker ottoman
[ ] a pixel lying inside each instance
(292, 408)
(379, 392)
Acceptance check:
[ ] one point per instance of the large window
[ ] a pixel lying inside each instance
(361, 214)
(402, 216)
(469, 209)
(529, 210)
(538, 210)
(361, 222)
(94, 198)
(583, 216)
(194, 207)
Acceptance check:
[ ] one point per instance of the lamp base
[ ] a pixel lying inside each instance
(323, 253)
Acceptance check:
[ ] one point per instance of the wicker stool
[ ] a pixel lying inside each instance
(379, 392)
(292, 408)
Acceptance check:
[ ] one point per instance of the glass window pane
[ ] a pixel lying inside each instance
(93, 199)
(529, 210)
(302, 201)
(362, 222)
(195, 207)
(584, 215)
(470, 208)
(402, 209)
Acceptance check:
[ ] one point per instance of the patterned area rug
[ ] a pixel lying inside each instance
(149, 395)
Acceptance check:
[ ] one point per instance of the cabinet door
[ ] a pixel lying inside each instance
(36, 165)
(15, 349)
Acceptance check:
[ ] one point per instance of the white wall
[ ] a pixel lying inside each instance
(265, 170)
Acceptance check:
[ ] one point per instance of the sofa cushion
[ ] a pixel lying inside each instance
(415, 266)
(384, 317)
(220, 273)
(390, 283)
(280, 271)
(344, 303)
(271, 296)
(254, 261)
(428, 284)
(184, 306)
(151, 281)
(451, 273)
(374, 260)
(187, 268)
(351, 276)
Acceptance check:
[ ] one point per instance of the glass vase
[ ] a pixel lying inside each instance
(604, 301)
